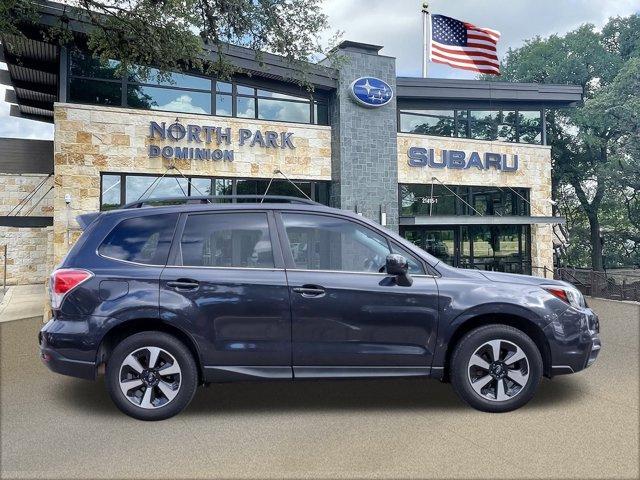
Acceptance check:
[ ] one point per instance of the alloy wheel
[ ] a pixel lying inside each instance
(498, 370)
(150, 377)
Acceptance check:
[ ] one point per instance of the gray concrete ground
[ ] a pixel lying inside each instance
(22, 301)
(578, 426)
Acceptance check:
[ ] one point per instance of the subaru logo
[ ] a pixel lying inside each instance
(371, 92)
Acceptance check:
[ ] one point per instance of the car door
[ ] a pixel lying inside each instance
(348, 317)
(226, 284)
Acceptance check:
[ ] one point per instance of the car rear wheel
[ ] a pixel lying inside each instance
(496, 368)
(151, 376)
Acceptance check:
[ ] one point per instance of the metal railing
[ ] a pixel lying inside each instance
(604, 284)
(3, 249)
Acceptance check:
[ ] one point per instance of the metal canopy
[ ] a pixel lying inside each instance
(480, 220)
(469, 92)
(33, 73)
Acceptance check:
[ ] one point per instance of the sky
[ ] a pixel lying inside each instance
(397, 25)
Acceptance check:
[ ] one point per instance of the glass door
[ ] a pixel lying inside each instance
(440, 242)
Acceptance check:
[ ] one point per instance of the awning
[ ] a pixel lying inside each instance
(480, 220)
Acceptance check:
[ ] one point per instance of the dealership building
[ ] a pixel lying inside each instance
(460, 167)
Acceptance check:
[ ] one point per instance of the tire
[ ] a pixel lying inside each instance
(157, 393)
(476, 376)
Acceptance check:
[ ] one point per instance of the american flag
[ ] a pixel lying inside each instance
(463, 45)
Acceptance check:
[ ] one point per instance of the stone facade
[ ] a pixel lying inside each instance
(15, 188)
(534, 173)
(89, 140)
(29, 254)
(29, 250)
(364, 171)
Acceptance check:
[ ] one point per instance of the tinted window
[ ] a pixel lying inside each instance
(111, 191)
(152, 75)
(83, 64)
(283, 110)
(319, 242)
(429, 122)
(156, 98)
(95, 92)
(142, 239)
(227, 240)
(143, 187)
(530, 128)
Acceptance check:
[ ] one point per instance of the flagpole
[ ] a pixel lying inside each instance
(426, 37)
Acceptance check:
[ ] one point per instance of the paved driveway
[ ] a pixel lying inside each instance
(579, 426)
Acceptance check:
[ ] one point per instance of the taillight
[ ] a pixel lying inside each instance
(63, 281)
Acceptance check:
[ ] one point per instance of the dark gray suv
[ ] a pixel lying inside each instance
(164, 299)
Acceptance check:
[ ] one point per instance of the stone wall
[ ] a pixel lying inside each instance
(15, 188)
(29, 254)
(534, 173)
(364, 142)
(29, 250)
(92, 139)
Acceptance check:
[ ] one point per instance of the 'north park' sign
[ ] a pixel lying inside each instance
(223, 137)
(457, 159)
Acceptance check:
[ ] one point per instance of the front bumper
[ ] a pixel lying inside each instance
(574, 340)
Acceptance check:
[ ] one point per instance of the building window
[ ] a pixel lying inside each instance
(94, 82)
(118, 189)
(504, 125)
(501, 248)
(440, 123)
(437, 200)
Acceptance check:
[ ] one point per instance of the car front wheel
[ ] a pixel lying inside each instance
(151, 376)
(496, 368)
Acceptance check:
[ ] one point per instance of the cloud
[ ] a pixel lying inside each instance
(183, 103)
(19, 127)
(397, 25)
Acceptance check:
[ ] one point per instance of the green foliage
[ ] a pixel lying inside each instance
(596, 146)
(172, 35)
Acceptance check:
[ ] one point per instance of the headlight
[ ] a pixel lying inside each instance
(571, 295)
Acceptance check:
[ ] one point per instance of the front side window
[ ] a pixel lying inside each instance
(320, 242)
(227, 240)
(145, 239)
(415, 266)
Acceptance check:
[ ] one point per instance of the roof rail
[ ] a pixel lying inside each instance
(217, 199)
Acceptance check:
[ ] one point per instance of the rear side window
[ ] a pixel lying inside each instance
(227, 240)
(145, 239)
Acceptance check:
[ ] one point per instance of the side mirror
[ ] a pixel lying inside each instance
(398, 266)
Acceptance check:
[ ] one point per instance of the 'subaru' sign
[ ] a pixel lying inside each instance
(457, 159)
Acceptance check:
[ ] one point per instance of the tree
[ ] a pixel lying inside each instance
(172, 35)
(594, 146)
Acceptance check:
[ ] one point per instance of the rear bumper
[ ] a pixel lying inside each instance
(574, 341)
(59, 355)
(67, 366)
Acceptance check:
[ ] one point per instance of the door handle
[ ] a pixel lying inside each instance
(183, 284)
(310, 291)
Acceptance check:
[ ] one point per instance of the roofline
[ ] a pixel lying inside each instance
(444, 89)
